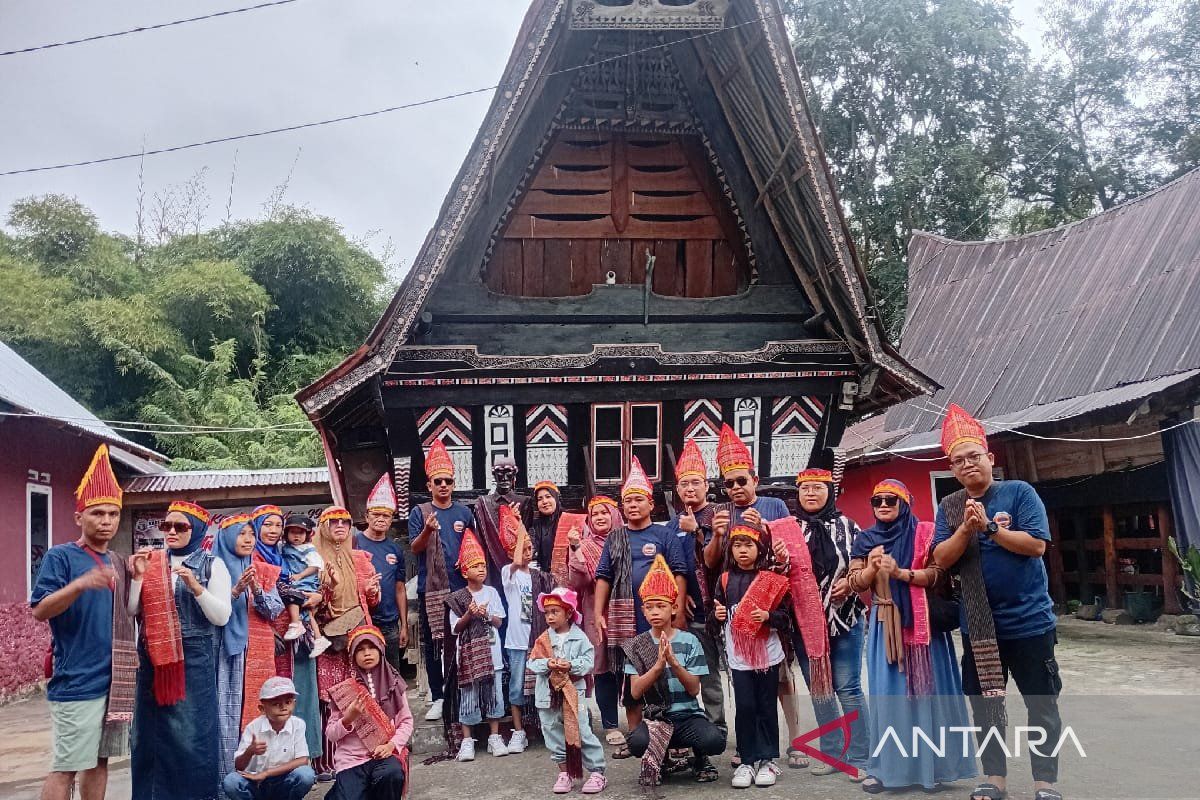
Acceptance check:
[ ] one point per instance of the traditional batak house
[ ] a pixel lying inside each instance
(644, 242)
(1078, 349)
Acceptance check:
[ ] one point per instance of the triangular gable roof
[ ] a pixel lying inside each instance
(774, 133)
(1100, 312)
(23, 387)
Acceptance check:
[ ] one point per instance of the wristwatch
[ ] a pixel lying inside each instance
(992, 528)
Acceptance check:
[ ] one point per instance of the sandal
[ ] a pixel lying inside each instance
(622, 751)
(988, 791)
(796, 759)
(614, 738)
(872, 785)
(706, 771)
(1047, 794)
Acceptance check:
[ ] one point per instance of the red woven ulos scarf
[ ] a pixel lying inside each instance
(160, 626)
(810, 610)
(260, 645)
(749, 637)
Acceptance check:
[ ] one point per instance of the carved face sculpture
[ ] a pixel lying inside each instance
(504, 472)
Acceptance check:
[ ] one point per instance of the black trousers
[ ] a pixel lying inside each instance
(433, 658)
(377, 779)
(696, 733)
(756, 722)
(1032, 665)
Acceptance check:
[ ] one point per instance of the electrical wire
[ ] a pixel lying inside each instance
(144, 28)
(365, 114)
(167, 429)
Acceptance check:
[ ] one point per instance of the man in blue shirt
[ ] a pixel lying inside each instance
(741, 484)
(441, 521)
(80, 586)
(1007, 523)
(391, 615)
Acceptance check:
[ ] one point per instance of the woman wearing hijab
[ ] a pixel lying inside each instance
(586, 546)
(246, 645)
(830, 535)
(370, 723)
(912, 670)
(543, 522)
(182, 598)
(294, 662)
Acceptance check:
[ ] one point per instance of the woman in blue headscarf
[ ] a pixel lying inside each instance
(243, 662)
(912, 673)
(182, 599)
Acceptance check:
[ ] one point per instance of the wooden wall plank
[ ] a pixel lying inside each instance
(698, 268)
(574, 179)
(507, 259)
(526, 226)
(1111, 600)
(614, 257)
(725, 277)
(637, 260)
(533, 282)
(557, 268)
(542, 203)
(666, 267)
(585, 265)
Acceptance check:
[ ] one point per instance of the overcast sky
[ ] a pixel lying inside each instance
(289, 64)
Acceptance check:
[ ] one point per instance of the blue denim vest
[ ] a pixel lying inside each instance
(192, 621)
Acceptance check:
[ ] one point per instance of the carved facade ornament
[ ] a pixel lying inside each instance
(674, 15)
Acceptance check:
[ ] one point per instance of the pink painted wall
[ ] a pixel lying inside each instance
(35, 445)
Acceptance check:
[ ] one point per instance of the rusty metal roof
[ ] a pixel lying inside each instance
(36, 396)
(211, 479)
(1010, 325)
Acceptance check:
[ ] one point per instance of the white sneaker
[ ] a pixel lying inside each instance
(320, 645)
(435, 712)
(496, 745)
(743, 776)
(767, 773)
(466, 751)
(517, 742)
(294, 632)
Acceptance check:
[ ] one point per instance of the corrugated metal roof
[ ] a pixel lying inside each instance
(29, 390)
(1015, 325)
(226, 479)
(867, 437)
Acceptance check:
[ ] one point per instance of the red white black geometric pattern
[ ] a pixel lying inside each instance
(702, 422)
(546, 424)
(796, 415)
(451, 425)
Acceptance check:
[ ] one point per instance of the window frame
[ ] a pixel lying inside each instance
(48, 492)
(627, 442)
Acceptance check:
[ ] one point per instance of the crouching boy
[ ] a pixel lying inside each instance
(271, 762)
(665, 665)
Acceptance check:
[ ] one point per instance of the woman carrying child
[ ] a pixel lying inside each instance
(370, 723)
(561, 658)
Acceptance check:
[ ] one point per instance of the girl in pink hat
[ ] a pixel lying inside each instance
(560, 659)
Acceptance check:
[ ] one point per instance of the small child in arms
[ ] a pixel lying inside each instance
(304, 564)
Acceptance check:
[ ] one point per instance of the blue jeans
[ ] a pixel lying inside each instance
(556, 738)
(516, 675)
(845, 659)
(470, 707)
(292, 786)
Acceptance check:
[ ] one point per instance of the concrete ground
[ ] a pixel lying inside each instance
(1131, 696)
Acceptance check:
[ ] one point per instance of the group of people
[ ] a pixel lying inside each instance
(240, 663)
(553, 607)
(258, 665)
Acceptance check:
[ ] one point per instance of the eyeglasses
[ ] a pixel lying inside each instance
(443, 481)
(970, 458)
(885, 501)
(741, 480)
(178, 527)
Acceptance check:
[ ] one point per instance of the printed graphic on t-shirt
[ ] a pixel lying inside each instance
(649, 549)
(459, 526)
(526, 605)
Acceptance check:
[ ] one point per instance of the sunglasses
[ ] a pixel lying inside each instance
(885, 501)
(443, 481)
(739, 481)
(178, 527)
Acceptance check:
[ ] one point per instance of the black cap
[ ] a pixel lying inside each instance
(299, 521)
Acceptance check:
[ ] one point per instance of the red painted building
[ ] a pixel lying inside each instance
(48, 440)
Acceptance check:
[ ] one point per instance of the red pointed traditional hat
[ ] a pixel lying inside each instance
(815, 475)
(99, 485)
(691, 462)
(659, 583)
(383, 496)
(470, 552)
(732, 452)
(637, 482)
(437, 461)
(959, 427)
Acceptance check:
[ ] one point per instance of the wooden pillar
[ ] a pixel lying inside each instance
(1082, 559)
(1054, 562)
(1110, 559)
(1170, 567)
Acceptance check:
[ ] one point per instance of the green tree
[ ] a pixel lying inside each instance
(1173, 118)
(912, 99)
(53, 229)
